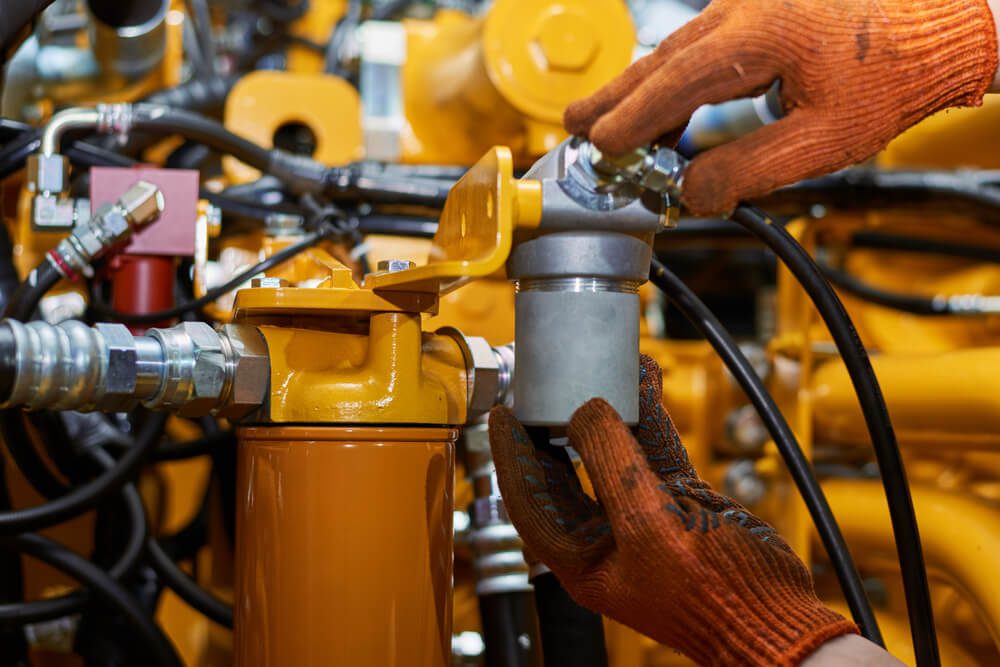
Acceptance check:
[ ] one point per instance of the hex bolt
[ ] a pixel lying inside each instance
(394, 265)
(269, 282)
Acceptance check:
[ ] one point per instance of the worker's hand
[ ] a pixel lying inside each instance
(659, 550)
(853, 73)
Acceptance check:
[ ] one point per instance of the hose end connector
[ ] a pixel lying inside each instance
(656, 169)
(110, 225)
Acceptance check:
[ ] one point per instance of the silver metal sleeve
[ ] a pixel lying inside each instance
(573, 346)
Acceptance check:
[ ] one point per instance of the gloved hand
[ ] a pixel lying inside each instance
(660, 552)
(854, 74)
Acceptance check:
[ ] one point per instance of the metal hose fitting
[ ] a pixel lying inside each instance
(191, 369)
(498, 560)
(109, 226)
(656, 169)
(490, 372)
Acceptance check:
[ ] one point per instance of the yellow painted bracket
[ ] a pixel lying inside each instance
(476, 228)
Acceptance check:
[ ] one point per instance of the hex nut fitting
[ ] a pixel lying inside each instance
(194, 377)
(120, 373)
(47, 174)
(489, 372)
(248, 370)
(664, 172)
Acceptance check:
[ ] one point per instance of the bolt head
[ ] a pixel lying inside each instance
(566, 42)
(269, 282)
(394, 265)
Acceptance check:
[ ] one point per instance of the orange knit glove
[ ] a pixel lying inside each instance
(660, 552)
(854, 74)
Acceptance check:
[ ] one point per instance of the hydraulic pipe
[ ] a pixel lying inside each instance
(962, 412)
(958, 533)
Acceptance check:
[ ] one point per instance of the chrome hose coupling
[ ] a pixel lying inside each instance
(655, 169)
(110, 226)
(191, 369)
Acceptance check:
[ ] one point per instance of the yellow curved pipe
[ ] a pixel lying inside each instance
(960, 536)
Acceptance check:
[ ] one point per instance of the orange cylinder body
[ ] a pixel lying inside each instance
(344, 546)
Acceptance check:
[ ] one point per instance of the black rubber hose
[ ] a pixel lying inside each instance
(35, 611)
(15, 20)
(876, 414)
(25, 298)
(510, 629)
(86, 496)
(16, 151)
(883, 241)
(167, 120)
(571, 634)
(157, 648)
(204, 96)
(186, 588)
(915, 305)
(696, 312)
(216, 292)
(21, 306)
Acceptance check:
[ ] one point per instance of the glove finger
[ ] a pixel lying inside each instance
(617, 467)
(666, 98)
(581, 115)
(559, 524)
(801, 145)
(656, 433)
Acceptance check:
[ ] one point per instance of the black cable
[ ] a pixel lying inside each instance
(571, 634)
(883, 241)
(186, 588)
(85, 497)
(876, 414)
(508, 619)
(213, 294)
(202, 23)
(157, 647)
(35, 611)
(915, 305)
(169, 120)
(795, 460)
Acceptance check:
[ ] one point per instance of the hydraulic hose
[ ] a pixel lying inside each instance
(915, 305)
(571, 634)
(185, 588)
(508, 619)
(16, 18)
(86, 496)
(855, 356)
(35, 611)
(695, 311)
(156, 645)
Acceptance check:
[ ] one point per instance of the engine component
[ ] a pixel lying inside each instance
(191, 369)
(128, 39)
(577, 304)
(111, 225)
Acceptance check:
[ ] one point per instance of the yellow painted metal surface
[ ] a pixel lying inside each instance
(261, 102)
(391, 374)
(345, 547)
(960, 535)
(942, 402)
(315, 26)
(471, 83)
(475, 231)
